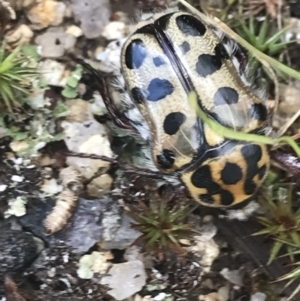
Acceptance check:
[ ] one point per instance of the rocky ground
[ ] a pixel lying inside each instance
(64, 229)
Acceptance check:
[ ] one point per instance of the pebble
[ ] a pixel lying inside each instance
(205, 247)
(74, 31)
(50, 187)
(120, 237)
(79, 111)
(55, 44)
(258, 297)
(92, 263)
(92, 16)
(88, 137)
(3, 187)
(17, 207)
(53, 73)
(16, 178)
(115, 30)
(21, 36)
(46, 13)
(99, 186)
(125, 279)
(234, 276)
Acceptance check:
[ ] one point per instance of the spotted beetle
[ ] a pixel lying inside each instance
(162, 62)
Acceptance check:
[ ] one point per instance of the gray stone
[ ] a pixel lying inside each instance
(125, 279)
(18, 249)
(55, 44)
(91, 221)
(120, 239)
(92, 15)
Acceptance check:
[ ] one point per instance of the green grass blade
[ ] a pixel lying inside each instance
(9, 61)
(272, 40)
(263, 32)
(274, 251)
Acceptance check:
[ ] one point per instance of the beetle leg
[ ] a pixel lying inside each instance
(118, 117)
(128, 168)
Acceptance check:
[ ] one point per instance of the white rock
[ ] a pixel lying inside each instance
(39, 146)
(92, 263)
(90, 138)
(53, 73)
(125, 279)
(84, 271)
(100, 264)
(46, 13)
(99, 186)
(18, 146)
(234, 276)
(21, 36)
(3, 187)
(161, 297)
(115, 30)
(17, 207)
(258, 297)
(74, 31)
(50, 187)
(18, 161)
(205, 247)
(16, 178)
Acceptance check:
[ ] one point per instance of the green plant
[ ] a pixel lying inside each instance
(282, 223)
(70, 90)
(293, 275)
(15, 76)
(161, 227)
(258, 35)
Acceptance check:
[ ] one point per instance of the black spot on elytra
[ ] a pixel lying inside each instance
(137, 95)
(231, 174)
(159, 89)
(158, 61)
(262, 172)
(227, 198)
(166, 159)
(190, 26)
(172, 122)
(202, 178)
(208, 64)
(206, 198)
(185, 47)
(252, 153)
(226, 95)
(221, 52)
(259, 112)
(135, 54)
